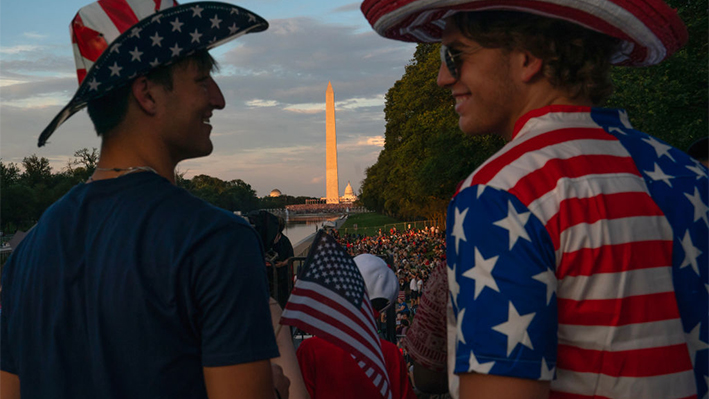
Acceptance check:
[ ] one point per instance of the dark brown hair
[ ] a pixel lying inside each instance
(575, 58)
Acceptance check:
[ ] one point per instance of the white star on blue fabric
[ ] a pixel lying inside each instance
(700, 208)
(114, 48)
(233, 28)
(234, 11)
(215, 21)
(623, 116)
(658, 174)
(691, 253)
(458, 231)
(515, 328)
(177, 25)
(252, 18)
(93, 84)
(458, 328)
(157, 18)
(547, 278)
(195, 36)
(154, 62)
(115, 69)
(175, 50)
(660, 149)
(453, 286)
(546, 374)
(616, 129)
(698, 169)
(197, 11)
(694, 343)
(135, 32)
(514, 224)
(135, 54)
(157, 40)
(481, 273)
(473, 365)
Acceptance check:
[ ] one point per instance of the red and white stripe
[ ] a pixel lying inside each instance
(324, 313)
(619, 324)
(98, 24)
(650, 29)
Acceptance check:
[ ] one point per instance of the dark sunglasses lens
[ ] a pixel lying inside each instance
(447, 59)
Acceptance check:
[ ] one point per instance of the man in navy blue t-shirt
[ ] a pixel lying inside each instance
(129, 287)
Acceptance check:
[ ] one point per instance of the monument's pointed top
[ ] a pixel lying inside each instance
(329, 85)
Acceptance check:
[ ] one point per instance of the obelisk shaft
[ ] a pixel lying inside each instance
(331, 184)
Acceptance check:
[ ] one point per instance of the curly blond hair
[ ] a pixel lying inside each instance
(575, 58)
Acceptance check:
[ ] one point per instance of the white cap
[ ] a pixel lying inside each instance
(380, 280)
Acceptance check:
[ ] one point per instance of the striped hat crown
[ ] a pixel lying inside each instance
(650, 30)
(102, 22)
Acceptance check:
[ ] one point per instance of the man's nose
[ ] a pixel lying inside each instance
(216, 97)
(444, 76)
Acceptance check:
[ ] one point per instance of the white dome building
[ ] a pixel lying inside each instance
(349, 194)
(275, 193)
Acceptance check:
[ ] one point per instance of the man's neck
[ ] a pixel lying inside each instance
(124, 150)
(540, 97)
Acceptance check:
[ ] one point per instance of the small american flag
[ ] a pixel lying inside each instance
(330, 300)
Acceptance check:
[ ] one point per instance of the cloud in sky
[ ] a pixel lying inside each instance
(272, 132)
(34, 35)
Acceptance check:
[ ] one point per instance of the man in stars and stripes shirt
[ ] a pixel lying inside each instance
(577, 255)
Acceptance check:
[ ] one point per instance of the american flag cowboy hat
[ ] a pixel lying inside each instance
(115, 41)
(651, 30)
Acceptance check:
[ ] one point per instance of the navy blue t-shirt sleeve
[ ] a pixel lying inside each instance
(231, 297)
(6, 360)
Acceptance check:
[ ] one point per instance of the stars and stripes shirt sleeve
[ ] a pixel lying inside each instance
(501, 264)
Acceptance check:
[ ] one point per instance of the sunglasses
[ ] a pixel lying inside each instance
(452, 59)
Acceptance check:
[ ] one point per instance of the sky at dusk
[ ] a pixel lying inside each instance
(271, 133)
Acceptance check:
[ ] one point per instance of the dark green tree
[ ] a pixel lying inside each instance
(425, 154)
(669, 100)
(234, 195)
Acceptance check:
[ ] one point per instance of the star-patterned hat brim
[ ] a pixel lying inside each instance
(160, 39)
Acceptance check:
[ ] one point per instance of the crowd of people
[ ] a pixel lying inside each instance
(415, 255)
(319, 208)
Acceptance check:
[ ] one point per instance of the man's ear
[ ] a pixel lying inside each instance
(531, 66)
(144, 93)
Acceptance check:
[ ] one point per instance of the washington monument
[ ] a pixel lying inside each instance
(332, 186)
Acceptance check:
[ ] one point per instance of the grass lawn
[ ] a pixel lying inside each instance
(367, 223)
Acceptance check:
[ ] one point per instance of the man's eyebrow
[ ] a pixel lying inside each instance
(457, 45)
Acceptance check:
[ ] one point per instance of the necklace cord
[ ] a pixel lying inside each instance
(124, 171)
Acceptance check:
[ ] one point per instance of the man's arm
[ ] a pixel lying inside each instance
(430, 381)
(248, 380)
(488, 386)
(9, 385)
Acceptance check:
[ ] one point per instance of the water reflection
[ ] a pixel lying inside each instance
(299, 228)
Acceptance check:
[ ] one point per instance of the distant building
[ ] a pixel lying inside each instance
(349, 196)
(275, 193)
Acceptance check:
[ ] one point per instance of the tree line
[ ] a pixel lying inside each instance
(425, 155)
(27, 191)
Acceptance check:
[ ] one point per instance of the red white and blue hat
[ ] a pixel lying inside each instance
(117, 40)
(651, 30)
